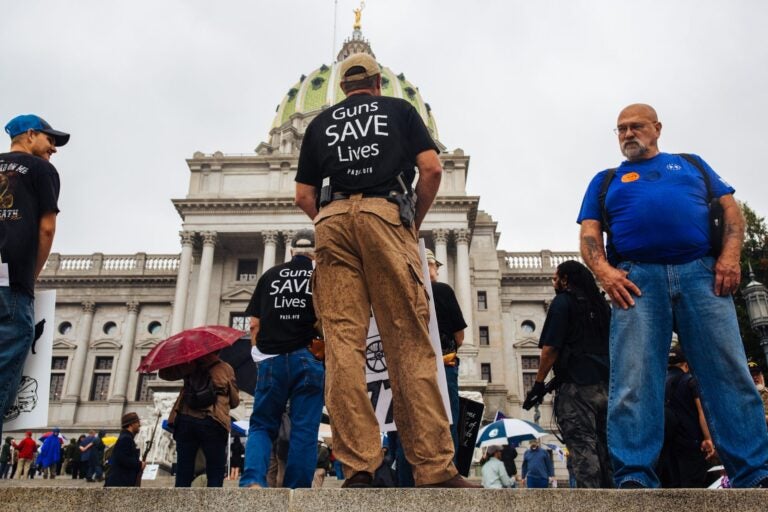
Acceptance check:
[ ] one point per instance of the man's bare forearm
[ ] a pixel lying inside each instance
(306, 199)
(733, 228)
(547, 361)
(591, 244)
(47, 230)
(430, 174)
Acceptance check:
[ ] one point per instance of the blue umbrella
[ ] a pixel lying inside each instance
(508, 431)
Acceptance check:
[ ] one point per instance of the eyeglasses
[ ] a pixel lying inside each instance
(635, 127)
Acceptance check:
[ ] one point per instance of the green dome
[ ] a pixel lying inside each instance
(320, 89)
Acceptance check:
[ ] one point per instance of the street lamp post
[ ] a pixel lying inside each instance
(756, 295)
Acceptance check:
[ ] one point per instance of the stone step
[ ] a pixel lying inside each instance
(67, 499)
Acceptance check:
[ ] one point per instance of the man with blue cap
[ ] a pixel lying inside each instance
(29, 192)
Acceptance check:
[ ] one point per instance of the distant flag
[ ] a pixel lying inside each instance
(499, 416)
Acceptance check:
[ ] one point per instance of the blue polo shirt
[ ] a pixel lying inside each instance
(657, 208)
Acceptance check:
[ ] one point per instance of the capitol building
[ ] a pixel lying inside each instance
(237, 220)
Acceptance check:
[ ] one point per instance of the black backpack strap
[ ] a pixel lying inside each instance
(605, 220)
(716, 215)
(695, 162)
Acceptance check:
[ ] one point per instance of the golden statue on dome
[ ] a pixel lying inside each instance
(358, 14)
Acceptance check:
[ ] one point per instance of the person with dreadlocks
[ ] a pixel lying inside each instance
(574, 342)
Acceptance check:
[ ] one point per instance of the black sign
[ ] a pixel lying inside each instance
(470, 416)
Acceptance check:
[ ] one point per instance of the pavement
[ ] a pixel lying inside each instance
(67, 495)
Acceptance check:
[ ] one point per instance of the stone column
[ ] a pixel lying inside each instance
(77, 365)
(441, 251)
(288, 239)
(469, 350)
(182, 281)
(204, 280)
(120, 390)
(270, 245)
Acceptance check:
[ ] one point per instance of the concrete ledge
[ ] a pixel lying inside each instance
(62, 499)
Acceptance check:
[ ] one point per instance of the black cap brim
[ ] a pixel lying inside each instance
(61, 138)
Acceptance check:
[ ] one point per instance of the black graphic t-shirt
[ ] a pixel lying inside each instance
(449, 317)
(29, 188)
(282, 301)
(362, 144)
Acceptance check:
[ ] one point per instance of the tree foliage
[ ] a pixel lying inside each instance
(754, 254)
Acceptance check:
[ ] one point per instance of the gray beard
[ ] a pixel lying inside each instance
(633, 150)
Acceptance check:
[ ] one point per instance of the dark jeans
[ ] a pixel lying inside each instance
(74, 466)
(17, 331)
(533, 482)
(5, 467)
(296, 377)
(95, 467)
(192, 434)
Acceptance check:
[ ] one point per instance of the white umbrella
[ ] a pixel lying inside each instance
(509, 430)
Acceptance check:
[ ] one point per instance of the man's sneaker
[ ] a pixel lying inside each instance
(631, 484)
(456, 482)
(359, 480)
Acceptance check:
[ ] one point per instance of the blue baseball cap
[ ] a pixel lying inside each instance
(22, 123)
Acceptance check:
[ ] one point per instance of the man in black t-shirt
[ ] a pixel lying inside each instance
(29, 192)
(357, 161)
(574, 340)
(282, 328)
(683, 462)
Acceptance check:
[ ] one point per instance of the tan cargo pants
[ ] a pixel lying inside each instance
(366, 257)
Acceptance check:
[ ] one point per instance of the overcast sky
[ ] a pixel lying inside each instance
(529, 89)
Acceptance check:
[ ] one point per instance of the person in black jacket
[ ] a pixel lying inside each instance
(126, 464)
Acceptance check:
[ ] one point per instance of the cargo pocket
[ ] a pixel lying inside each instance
(383, 209)
(422, 307)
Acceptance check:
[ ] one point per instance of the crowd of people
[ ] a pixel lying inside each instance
(671, 263)
(52, 455)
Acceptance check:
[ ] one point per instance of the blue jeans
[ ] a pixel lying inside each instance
(297, 377)
(95, 467)
(17, 331)
(192, 434)
(535, 482)
(681, 297)
(404, 470)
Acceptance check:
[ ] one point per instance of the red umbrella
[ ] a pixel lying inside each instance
(187, 346)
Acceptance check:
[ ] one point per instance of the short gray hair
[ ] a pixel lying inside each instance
(308, 251)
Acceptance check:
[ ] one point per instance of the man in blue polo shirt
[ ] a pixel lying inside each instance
(661, 276)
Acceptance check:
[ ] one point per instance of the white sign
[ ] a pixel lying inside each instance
(150, 472)
(30, 410)
(376, 373)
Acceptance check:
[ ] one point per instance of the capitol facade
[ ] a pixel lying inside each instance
(238, 219)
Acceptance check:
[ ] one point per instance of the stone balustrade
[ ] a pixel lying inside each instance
(537, 261)
(111, 264)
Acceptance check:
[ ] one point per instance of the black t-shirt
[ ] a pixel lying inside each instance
(29, 188)
(362, 144)
(282, 301)
(449, 317)
(680, 393)
(582, 344)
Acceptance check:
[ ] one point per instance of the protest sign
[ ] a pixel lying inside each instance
(30, 409)
(470, 416)
(376, 374)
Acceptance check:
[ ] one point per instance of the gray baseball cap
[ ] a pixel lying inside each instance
(304, 239)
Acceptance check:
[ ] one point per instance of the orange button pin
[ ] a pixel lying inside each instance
(630, 176)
